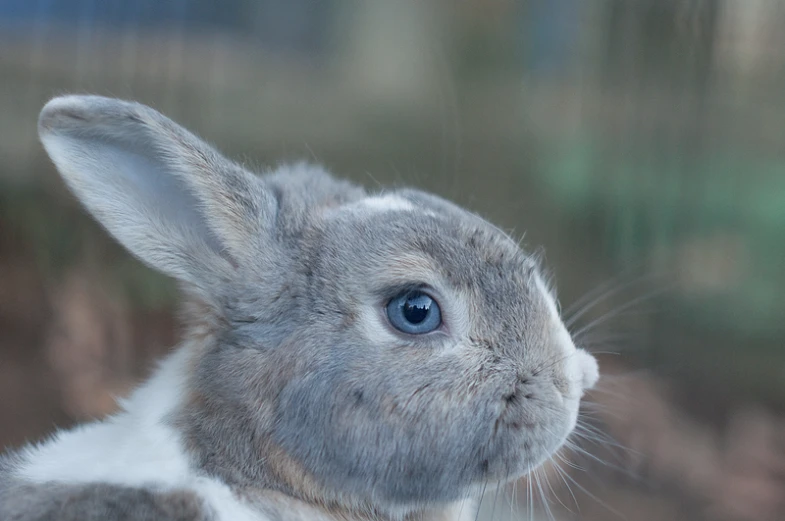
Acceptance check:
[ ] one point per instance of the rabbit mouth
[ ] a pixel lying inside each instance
(533, 426)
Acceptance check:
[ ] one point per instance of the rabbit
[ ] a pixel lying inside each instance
(346, 356)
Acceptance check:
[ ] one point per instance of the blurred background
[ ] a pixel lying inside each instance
(640, 143)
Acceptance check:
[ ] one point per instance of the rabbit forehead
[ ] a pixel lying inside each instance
(444, 247)
(423, 231)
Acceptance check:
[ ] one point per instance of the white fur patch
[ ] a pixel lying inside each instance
(386, 203)
(135, 448)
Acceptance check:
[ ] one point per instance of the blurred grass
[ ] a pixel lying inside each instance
(646, 205)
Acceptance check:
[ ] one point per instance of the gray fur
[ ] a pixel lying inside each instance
(99, 502)
(297, 389)
(22, 501)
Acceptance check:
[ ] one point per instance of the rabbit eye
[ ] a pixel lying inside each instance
(414, 312)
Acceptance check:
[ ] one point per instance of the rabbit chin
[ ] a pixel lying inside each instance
(532, 452)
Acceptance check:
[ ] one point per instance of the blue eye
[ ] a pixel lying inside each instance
(414, 312)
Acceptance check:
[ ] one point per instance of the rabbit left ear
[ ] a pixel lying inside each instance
(168, 197)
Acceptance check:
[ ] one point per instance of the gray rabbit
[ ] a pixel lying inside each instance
(347, 356)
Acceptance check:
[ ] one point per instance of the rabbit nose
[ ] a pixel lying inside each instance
(580, 368)
(588, 369)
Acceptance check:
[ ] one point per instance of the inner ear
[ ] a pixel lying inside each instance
(166, 195)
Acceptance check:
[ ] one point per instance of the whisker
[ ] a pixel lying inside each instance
(621, 396)
(600, 288)
(570, 463)
(598, 412)
(513, 488)
(593, 434)
(619, 310)
(611, 353)
(463, 504)
(622, 378)
(543, 499)
(607, 292)
(482, 496)
(560, 471)
(612, 449)
(594, 406)
(591, 415)
(592, 340)
(580, 450)
(495, 500)
(554, 362)
(598, 500)
(550, 487)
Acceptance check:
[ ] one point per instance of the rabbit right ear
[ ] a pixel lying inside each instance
(168, 197)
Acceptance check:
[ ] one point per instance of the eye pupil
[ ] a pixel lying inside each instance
(415, 309)
(414, 312)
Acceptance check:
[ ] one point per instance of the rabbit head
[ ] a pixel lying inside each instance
(391, 350)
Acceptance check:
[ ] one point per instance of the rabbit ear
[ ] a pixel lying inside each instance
(168, 197)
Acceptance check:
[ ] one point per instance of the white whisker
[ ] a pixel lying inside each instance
(594, 497)
(607, 292)
(543, 498)
(550, 487)
(614, 313)
(482, 496)
(560, 471)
